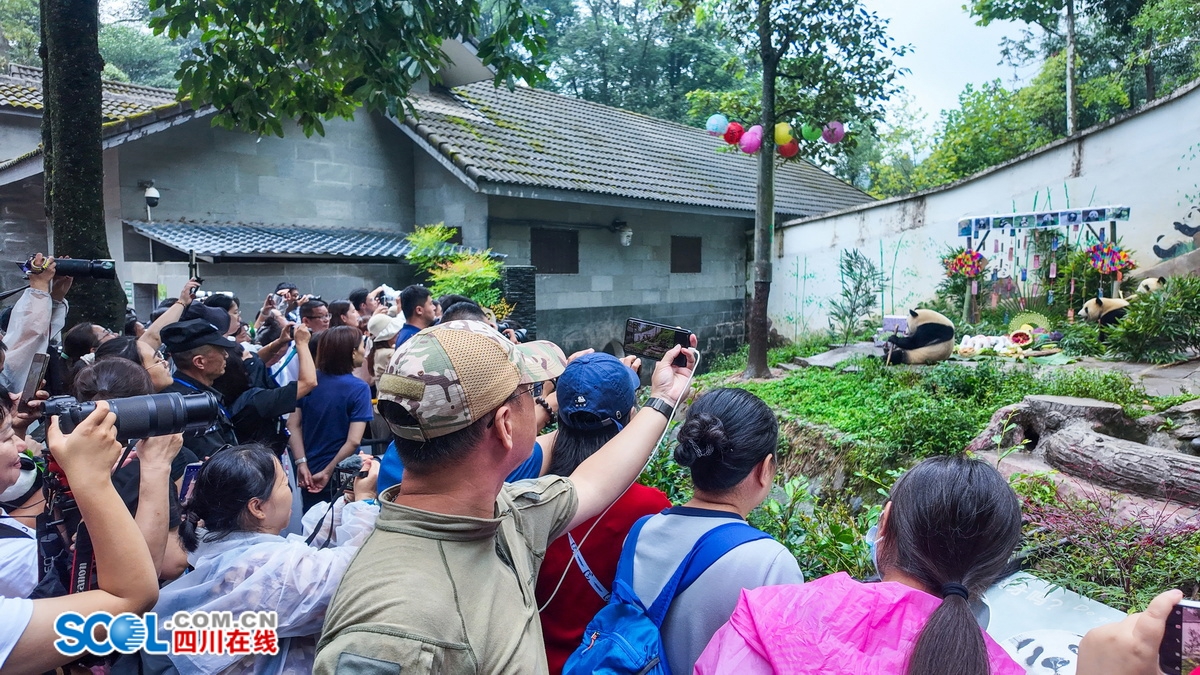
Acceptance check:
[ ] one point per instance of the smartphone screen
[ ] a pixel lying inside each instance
(189, 477)
(652, 340)
(37, 372)
(1180, 650)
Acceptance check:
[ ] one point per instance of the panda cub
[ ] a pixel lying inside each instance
(930, 339)
(1104, 311)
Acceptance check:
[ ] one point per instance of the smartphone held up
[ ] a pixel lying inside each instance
(652, 340)
(1180, 650)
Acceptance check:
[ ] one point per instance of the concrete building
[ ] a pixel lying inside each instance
(622, 215)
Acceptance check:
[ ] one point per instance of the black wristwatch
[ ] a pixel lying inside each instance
(661, 406)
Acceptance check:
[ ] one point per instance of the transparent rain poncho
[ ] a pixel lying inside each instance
(35, 318)
(250, 571)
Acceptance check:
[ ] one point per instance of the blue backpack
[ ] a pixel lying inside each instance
(624, 637)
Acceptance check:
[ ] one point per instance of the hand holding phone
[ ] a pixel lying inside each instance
(1179, 652)
(33, 381)
(653, 340)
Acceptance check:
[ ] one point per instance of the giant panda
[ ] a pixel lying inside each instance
(1104, 311)
(929, 339)
(1151, 285)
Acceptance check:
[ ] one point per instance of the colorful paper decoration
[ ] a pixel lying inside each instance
(733, 133)
(969, 264)
(751, 141)
(789, 149)
(1037, 262)
(783, 133)
(717, 124)
(1053, 269)
(1107, 258)
(810, 132)
(833, 132)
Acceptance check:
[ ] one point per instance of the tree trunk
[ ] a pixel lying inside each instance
(74, 169)
(764, 215)
(1072, 112)
(1148, 70)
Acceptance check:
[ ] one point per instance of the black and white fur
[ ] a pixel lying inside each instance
(1104, 311)
(930, 339)
(1151, 285)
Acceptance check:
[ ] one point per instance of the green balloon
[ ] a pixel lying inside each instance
(809, 132)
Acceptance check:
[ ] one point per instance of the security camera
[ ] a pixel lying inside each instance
(151, 196)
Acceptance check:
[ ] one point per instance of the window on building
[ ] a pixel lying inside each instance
(685, 255)
(456, 236)
(554, 251)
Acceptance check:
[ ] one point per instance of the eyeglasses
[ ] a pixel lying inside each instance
(519, 393)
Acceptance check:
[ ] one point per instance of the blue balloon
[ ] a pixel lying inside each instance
(717, 124)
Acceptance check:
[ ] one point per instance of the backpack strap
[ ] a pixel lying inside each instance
(708, 549)
(624, 576)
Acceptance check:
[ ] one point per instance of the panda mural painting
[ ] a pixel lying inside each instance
(929, 339)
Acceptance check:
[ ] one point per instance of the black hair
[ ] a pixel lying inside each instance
(222, 301)
(337, 309)
(111, 378)
(573, 446)
(157, 313)
(269, 332)
(6, 404)
(229, 479)
(286, 286)
(131, 326)
(463, 311)
(79, 340)
(953, 520)
(358, 298)
(307, 309)
(727, 433)
(450, 299)
(436, 453)
(413, 297)
(167, 303)
(124, 347)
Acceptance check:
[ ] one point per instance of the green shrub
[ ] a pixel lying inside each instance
(1081, 339)
(1161, 327)
(921, 425)
(826, 536)
(1105, 385)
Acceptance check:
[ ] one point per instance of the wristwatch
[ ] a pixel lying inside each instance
(661, 406)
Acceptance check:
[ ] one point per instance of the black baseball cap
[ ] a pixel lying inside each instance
(218, 317)
(183, 336)
(286, 286)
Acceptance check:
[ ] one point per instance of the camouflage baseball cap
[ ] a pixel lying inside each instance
(446, 377)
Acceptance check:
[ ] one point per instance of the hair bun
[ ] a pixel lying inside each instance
(700, 436)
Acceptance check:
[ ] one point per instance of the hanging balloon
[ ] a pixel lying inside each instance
(833, 132)
(783, 134)
(789, 149)
(810, 132)
(755, 130)
(751, 142)
(733, 133)
(717, 124)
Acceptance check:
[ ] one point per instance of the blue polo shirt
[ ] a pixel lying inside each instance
(391, 468)
(408, 331)
(326, 414)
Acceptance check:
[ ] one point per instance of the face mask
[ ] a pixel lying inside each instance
(872, 538)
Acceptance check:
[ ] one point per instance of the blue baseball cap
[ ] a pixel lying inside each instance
(595, 391)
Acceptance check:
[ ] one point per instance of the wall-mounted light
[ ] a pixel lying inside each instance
(624, 232)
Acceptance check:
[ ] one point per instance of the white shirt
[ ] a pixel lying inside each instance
(287, 370)
(16, 613)
(18, 561)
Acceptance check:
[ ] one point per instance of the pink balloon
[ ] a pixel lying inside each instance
(751, 142)
(755, 130)
(833, 132)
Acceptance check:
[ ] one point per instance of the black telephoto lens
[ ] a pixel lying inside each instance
(144, 416)
(85, 269)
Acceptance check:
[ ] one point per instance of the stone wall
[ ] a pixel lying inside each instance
(440, 197)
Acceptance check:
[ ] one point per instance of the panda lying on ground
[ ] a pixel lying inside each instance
(1104, 311)
(929, 339)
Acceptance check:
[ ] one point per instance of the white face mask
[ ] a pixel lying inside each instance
(872, 538)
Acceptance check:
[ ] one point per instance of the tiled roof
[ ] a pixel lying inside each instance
(253, 239)
(21, 88)
(536, 138)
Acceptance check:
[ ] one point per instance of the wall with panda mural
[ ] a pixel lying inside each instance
(1148, 160)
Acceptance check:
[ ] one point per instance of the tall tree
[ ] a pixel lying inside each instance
(265, 63)
(142, 57)
(73, 161)
(819, 61)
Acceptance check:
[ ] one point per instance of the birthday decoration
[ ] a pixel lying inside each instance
(1107, 258)
(789, 149)
(969, 264)
(833, 132)
(810, 132)
(751, 141)
(717, 124)
(733, 133)
(783, 133)
(972, 227)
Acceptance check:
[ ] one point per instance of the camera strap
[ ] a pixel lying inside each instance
(9, 293)
(83, 564)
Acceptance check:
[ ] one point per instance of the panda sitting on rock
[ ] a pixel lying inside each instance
(929, 339)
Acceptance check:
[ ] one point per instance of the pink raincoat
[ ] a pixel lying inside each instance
(831, 626)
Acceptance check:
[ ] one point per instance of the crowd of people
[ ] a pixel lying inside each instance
(494, 526)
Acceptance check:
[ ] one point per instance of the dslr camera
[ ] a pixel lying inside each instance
(80, 269)
(142, 416)
(521, 333)
(345, 473)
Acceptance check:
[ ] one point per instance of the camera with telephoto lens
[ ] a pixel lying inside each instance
(521, 333)
(345, 473)
(142, 416)
(80, 269)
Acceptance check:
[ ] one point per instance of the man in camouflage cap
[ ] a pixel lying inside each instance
(446, 582)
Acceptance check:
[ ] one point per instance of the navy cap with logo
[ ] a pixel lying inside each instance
(183, 336)
(596, 390)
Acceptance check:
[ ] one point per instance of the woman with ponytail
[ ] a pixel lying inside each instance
(944, 537)
(728, 443)
(239, 503)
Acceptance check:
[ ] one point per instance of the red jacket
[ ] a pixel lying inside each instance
(576, 602)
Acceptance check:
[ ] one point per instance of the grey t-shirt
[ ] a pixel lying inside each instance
(697, 613)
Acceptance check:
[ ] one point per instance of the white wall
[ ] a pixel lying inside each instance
(1149, 161)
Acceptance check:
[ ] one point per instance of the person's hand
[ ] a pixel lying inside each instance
(320, 479)
(303, 335)
(1129, 647)
(579, 354)
(268, 305)
(41, 279)
(368, 476)
(669, 381)
(188, 294)
(159, 451)
(88, 453)
(303, 476)
(304, 299)
(22, 419)
(511, 335)
(634, 363)
(60, 287)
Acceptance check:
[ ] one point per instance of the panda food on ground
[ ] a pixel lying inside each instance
(929, 339)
